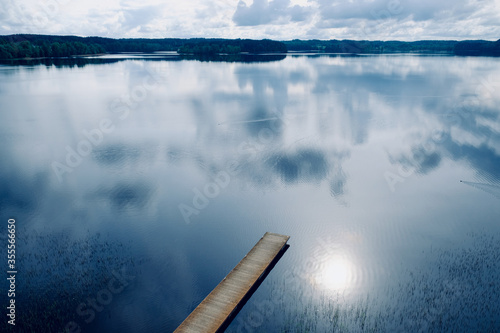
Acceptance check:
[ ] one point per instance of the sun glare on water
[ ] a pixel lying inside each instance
(334, 274)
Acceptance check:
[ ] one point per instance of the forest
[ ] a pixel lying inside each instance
(36, 46)
(47, 46)
(474, 47)
(233, 46)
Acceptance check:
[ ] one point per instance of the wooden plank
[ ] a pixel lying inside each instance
(215, 310)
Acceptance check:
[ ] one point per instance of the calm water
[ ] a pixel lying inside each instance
(151, 177)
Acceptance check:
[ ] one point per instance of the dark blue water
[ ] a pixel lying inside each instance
(137, 184)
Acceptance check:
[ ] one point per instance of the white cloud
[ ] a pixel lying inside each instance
(278, 19)
(392, 9)
(264, 12)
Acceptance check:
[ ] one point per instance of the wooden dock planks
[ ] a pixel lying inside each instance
(213, 312)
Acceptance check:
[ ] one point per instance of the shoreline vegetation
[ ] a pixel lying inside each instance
(27, 46)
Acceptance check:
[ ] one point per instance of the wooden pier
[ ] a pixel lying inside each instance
(219, 308)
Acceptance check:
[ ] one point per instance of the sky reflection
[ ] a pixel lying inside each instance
(367, 149)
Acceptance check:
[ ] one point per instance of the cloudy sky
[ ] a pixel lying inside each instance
(276, 19)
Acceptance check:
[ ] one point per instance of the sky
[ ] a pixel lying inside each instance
(256, 19)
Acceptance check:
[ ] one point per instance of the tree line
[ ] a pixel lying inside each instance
(232, 46)
(35, 46)
(26, 49)
(475, 47)
(40, 46)
(478, 47)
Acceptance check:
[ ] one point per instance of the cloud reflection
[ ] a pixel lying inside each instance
(127, 195)
(299, 123)
(305, 165)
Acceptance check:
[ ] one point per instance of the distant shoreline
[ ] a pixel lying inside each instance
(27, 46)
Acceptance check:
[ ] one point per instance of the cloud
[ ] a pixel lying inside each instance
(276, 19)
(392, 9)
(265, 12)
(407, 20)
(137, 17)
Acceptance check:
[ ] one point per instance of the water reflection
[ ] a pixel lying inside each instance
(123, 196)
(306, 142)
(302, 166)
(118, 154)
(488, 188)
(78, 62)
(334, 274)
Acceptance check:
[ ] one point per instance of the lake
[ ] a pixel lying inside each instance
(137, 182)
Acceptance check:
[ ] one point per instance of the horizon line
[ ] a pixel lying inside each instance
(279, 40)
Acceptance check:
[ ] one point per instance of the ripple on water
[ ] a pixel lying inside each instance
(457, 291)
(116, 155)
(59, 273)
